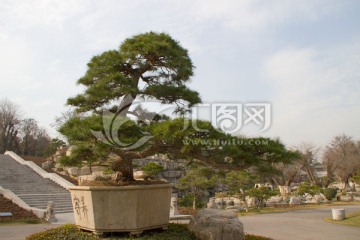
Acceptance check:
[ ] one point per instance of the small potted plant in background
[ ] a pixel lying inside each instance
(152, 169)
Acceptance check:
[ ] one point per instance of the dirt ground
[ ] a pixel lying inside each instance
(18, 213)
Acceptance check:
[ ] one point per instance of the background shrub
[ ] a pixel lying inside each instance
(67, 231)
(174, 232)
(330, 193)
(187, 201)
(307, 188)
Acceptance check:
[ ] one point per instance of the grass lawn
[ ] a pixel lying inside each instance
(295, 208)
(352, 219)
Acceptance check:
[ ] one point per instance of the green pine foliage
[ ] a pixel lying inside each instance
(238, 182)
(153, 59)
(188, 199)
(261, 194)
(310, 189)
(153, 168)
(174, 232)
(67, 231)
(356, 177)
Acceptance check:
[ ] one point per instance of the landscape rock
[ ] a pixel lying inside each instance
(230, 203)
(236, 208)
(216, 224)
(140, 175)
(47, 165)
(73, 171)
(295, 201)
(251, 201)
(212, 204)
(172, 174)
(276, 199)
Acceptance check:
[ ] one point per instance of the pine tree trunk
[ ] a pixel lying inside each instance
(124, 170)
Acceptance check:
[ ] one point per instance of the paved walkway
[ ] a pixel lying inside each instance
(301, 225)
(21, 231)
(296, 225)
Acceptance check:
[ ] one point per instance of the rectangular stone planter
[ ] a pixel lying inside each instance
(121, 209)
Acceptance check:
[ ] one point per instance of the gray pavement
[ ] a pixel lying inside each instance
(21, 231)
(301, 225)
(296, 225)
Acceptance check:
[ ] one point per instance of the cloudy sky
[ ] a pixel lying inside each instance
(303, 57)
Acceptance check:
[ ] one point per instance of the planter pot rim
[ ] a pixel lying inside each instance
(114, 188)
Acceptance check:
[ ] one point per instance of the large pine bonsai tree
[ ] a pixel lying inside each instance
(150, 66)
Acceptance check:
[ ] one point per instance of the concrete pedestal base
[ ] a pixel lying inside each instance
(338, 214)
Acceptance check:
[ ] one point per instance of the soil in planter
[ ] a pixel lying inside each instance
(121, 183)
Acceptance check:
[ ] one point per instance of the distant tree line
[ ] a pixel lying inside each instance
(340, 158)
(19, 134)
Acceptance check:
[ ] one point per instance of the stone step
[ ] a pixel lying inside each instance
(63, 210)
(33, 189)
(44, 205)
(36, 200)
(30, 192)
(45, 195)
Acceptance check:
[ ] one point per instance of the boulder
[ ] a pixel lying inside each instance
(73, 171)
(315, 200)
(140, 175)
(236, 208)
(276, 199)
(251, 201)
(216, 224)
(212, 204)
(295, 201)
(48, 165)
(231, 203)
(172, 174)
(84, 171)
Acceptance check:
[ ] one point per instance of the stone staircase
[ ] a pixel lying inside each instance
(33, 189)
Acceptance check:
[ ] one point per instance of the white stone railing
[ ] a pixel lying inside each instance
(15, 199)
(52, 176)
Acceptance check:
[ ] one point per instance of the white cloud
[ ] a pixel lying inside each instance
(45, 44)
(315, 91)
(42, 12)
(250, 15)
